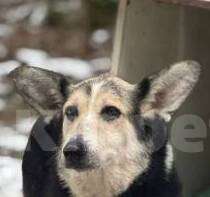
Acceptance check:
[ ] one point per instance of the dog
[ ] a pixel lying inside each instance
(102, 137)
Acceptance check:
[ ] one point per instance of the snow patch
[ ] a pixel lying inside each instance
(68, 66)
(11, 177)
(25, 125)
(100, 36)
(10, 139)
(31, 56)
(6, 67)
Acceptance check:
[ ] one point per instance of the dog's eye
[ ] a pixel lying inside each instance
(72, 112)
(110, 113)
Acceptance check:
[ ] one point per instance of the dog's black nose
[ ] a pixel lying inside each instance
(75, 152)
(74, 149)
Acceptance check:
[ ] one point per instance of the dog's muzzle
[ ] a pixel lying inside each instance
(76, 154)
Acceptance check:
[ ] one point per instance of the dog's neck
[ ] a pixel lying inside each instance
(108, 182)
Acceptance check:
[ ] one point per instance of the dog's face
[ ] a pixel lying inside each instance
(104, 117)
(97, 128)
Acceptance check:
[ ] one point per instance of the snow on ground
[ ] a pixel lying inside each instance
(31, 56)
(25, 125)
(69, 66)
(12, 140)
(6, 67)
(77, 68)
(11, 177)
(74, 67)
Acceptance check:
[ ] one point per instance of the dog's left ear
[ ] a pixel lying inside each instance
(43, 90)
(166, 91)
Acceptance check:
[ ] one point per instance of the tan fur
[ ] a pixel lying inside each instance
(119, 156)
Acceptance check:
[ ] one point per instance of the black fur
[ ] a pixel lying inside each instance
(143, 89)
(40, 177)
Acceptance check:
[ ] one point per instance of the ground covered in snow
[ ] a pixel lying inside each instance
(13, 140)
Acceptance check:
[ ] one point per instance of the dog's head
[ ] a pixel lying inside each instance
(106, 120)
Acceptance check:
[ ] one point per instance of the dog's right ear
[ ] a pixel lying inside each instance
(42, 89)
(166, 91)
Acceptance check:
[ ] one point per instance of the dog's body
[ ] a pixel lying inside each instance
(41, 177)
(106, 137)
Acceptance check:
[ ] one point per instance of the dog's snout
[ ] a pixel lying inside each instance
(75, 148)
(75, 152)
